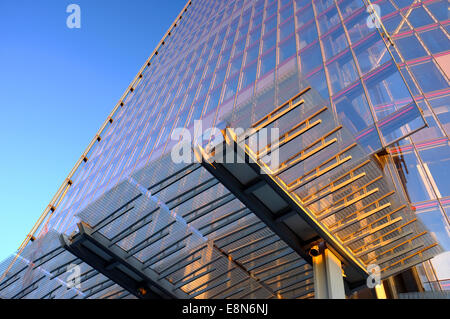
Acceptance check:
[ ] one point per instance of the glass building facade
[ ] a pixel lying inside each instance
(382, 68)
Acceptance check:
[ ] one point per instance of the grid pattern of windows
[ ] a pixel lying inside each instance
(225, 55)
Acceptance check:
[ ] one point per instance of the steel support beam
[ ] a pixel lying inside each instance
(115, 263)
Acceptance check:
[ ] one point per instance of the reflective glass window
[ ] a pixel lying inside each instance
(436, 159)
(268, 62)
(439, 9)
(348, 7)
(334, 42)
(434, 220)
(419, 17)
(387, 91)
(271, 9)
(341, 71)
(410, 47)
(252, 54)
(386, 7)
(270, 25)
(435, 40)
(255, 35)
(441, 107)
(286, 12)
(287, 49)
(321, 5)
(401, 123)
(371, 53)
(239, 47)
(433, 131)
(328, 19)
(353, 109)
(302, 3)
(413, 175)
(428, 76)
(235, 65)
(286, 29)
(393, 23)
(357, 27)
(307, 34)
(230, 88)
(249, 75)
(269, 41)
(318, 81)
(310, 58)
(305, 15)
(403, 3)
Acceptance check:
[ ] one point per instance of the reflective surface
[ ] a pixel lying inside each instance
(226, 56)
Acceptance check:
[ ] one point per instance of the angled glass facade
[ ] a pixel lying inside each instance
(380, 69)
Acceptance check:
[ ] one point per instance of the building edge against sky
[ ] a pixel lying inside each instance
(231, 52)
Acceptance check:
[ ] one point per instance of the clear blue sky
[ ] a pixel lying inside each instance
(57, 85)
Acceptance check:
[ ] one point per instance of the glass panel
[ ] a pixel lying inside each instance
(248, 75)
(286, 29)
(219, 77)
(267, 62)
(235, 65)
(302, 3)
(435, 40)
(439, 9)
(434, 220)
(318, 81)
(255, 35)
(321, 5)
(436, 159)
(395, 24)
(307, 35)
(403, 3)
(230, 88)
(386, 7)
(341, 71)
(428, 76)
(252, 54)
(387, 90)
(270, 25)
(212, 101)
(410, 47)
(419, 17)
(310, 58)
(334, 42)
(357, 27)
(352, 109)
(441, 107)
(239, 47)
(305, 15)
(328, 19)
(401, 123)
(287, 49)
(286, 12)
(433, 131)
(347, 7)
(269, 41)
(371, 53)
(412, 174)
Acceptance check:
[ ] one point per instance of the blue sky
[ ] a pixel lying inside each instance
(57, 86)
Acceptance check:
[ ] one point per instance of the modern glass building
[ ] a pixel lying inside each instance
(359, 94)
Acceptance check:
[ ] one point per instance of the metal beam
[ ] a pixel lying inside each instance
(257, 207)
(116, 264)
